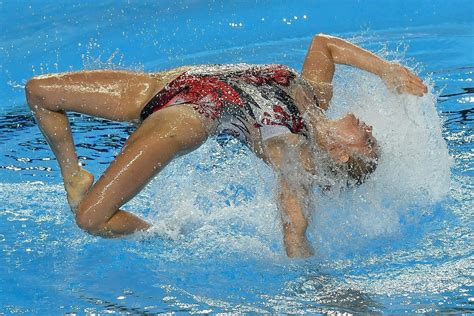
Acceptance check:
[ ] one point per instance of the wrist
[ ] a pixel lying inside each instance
(384, 67)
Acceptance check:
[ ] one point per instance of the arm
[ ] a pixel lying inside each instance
(326, 51)
(293, 219)
(293, 194)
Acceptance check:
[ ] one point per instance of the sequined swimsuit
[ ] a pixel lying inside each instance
(240, 96)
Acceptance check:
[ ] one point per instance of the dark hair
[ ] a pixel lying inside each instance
(359, 168)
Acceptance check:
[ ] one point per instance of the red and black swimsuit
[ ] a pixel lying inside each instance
(238, 95)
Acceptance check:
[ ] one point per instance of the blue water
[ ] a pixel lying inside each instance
(402, 242)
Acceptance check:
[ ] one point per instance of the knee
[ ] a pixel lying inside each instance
(85, 222)
(33, 92)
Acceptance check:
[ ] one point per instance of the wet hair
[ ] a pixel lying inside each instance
(350, 174)
(359, 168)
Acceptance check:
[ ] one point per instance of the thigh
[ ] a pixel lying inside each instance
(110, 94)
(163, 136)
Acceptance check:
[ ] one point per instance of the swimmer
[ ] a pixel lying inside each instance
(271, 108)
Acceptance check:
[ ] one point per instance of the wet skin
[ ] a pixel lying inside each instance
(174, 131)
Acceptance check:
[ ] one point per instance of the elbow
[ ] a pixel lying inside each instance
(321, 38)
(322, 43)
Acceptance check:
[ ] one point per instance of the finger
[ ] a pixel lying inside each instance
(417, 79)
(409, 72)
(410, 89)
(420, 85)
(416, 90)
(413, 76)
(424, 88)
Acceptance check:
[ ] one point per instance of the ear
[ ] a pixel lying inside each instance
(343, 156)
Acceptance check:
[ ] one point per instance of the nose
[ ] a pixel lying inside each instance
(366, 127)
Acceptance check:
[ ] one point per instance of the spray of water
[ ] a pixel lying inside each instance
(221, 198)
(413, 173)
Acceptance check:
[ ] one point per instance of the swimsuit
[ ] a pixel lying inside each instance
(239, 96)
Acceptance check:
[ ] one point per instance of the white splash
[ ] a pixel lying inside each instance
(199, 209)
(413, 173)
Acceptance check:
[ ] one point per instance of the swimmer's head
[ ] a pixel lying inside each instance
(351, 144)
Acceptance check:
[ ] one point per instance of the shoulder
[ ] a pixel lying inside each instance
(171, 72)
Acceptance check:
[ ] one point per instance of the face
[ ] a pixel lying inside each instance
(354, 136)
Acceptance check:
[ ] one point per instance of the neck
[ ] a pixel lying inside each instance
(322, 130)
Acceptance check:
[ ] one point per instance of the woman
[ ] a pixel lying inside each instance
(270, 107)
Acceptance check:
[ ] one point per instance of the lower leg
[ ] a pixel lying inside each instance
(115, 95)
(56, 129)
(163, 136)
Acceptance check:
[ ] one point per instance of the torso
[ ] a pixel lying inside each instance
(241, 96)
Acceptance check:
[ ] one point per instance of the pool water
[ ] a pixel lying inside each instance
(402, 242)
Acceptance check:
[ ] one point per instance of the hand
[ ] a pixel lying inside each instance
(399, 79)
(298, 247)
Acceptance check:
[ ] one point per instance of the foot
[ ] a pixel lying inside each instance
(77, 187)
